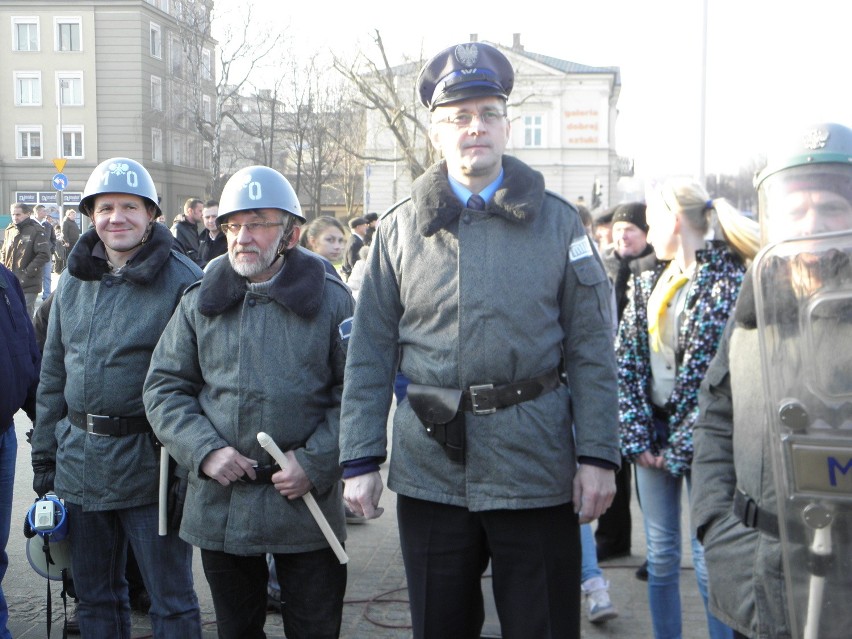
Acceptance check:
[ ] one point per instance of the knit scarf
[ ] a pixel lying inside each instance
(665, 290)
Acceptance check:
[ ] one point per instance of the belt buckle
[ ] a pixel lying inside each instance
(474, 407)
(90, 424)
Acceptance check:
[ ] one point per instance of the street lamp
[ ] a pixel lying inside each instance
(61, 149)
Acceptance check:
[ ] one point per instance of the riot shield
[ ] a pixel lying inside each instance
(803, 297)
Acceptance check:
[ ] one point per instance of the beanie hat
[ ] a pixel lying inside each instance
(632, 212)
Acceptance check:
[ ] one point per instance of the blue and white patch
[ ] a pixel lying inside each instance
(345, 329)
(579, 249)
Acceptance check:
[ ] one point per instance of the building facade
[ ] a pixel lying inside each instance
(101, 78)
(563, 124)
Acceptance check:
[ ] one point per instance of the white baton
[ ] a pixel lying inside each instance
(272, 448)
(164, 492)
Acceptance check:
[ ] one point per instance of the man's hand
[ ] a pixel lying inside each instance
(362, 494)
(227, 465)
(291, 481)
(594, 490)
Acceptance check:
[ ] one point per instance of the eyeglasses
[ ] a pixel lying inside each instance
(464, 120)
(233, 228)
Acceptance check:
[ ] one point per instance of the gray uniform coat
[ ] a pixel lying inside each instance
(496, 296)
(233, 363)
(102, 331)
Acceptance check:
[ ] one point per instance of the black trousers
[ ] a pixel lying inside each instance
(535, 567)
(312, 589)
(612, 536)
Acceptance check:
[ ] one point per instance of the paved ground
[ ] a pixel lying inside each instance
(376, 598)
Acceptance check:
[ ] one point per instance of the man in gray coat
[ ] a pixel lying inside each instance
(804, 192)
(484, 291)
(92, 443)
(257, 347)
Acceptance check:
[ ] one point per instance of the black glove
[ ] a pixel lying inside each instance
(44, 473)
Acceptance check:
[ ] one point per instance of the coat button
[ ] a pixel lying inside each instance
(108, 283)
(252, 302)
(466, 218)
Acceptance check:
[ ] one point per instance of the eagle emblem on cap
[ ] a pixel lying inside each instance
(467, 54)
(815, 139)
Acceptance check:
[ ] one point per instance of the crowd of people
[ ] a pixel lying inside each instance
(543, 359)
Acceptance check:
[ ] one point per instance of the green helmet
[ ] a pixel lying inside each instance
(119, 175)
(817, 160)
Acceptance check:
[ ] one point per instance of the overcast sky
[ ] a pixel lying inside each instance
(772, 64)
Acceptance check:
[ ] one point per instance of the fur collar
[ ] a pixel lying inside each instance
(298, 286)
(518, 199)
(142, 269)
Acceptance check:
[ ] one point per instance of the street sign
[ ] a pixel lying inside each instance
(60, 181)
(59, 163)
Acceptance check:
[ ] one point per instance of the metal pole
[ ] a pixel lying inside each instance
(61, 154)
(702, 178)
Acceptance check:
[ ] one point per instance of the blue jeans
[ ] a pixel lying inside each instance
(99, 542)
(590, 568)
(46, 272)
(660, 495)
(8, 453)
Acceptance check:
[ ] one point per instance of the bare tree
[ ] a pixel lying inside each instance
(241, 54)
(390, 92)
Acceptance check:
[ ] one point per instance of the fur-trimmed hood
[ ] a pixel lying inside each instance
(142, 268)
(518, 199)
(298, 286)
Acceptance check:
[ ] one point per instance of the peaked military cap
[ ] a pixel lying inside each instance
(465, 71)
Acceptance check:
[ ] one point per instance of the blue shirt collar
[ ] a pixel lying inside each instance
(463, 193)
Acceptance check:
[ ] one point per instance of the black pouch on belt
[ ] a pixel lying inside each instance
(438, 409)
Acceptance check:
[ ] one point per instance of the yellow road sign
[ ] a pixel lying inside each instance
(59, 163)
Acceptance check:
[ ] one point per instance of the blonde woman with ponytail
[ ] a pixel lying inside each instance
(668, 335)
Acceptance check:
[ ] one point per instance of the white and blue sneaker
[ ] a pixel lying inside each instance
(596, 593)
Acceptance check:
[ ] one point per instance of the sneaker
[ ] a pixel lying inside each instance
(596, 592)
(642, 571)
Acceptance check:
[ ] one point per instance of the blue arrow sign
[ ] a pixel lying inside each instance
(60, 181)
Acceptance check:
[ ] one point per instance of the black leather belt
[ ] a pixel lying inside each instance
(109, 426)
(484, 399)
(753, 516)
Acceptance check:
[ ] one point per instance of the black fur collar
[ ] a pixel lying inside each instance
(298, 286)
(518, 199)
(141, 269)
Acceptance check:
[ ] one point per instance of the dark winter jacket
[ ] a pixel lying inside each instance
(187, 239)
(19, 355)
(26, 249)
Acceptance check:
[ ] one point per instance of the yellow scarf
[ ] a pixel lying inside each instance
(662, 294)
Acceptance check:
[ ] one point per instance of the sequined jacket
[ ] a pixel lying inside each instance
(709, 302)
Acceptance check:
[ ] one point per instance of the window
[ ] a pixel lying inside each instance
(156, 93)
(25, 34)
(175, 58)
(156, 41)
(532, 130)
(28, 142)
(177, 150)
(206, 108)
(27, 88)
(71, 89)
(72, 142)
(206, 64)
(68, 34)
(156, 145)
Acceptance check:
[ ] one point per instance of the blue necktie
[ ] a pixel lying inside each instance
(476, 203)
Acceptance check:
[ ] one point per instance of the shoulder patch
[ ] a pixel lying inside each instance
(559, 197)
(345, 329)
(579, 249)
